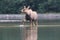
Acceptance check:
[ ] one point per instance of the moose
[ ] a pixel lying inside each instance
(31, 15)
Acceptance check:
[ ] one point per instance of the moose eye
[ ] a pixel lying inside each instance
(23, 9)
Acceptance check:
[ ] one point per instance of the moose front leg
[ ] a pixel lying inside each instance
(34, 24)
(24, 20)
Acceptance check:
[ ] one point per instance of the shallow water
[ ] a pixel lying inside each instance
(49, 33)
(16, 33)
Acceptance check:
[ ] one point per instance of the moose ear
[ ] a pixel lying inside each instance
(28, 7)
(24, 6)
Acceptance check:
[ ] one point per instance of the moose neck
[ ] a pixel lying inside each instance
(28, 12)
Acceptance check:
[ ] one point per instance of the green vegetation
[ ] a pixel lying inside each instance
(41, 6)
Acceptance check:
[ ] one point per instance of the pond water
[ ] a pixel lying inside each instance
(16, 33)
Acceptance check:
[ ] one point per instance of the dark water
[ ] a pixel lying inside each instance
(44, 33)
(49, 33)
(10, 34)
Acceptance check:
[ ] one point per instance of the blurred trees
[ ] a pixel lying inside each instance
(41, 6)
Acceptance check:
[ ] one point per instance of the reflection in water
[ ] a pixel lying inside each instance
(16, 33)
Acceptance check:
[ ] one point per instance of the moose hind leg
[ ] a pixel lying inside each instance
(31, 24)
(36, 23)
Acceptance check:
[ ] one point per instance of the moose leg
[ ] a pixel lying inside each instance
(36, 23)
(31, 24)
(24, 20)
